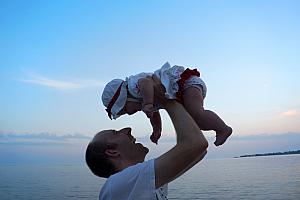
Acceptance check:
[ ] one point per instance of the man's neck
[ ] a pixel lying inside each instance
(124, 164)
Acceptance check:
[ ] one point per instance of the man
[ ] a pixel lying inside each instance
(115, 155)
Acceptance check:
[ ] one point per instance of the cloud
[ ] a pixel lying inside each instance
(41, 138)
(23, 147)
(62, 85)
(289, 113)
(43, 135)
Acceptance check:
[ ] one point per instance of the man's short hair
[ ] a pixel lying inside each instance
(97, 160)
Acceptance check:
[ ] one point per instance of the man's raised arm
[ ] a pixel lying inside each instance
(190, 148)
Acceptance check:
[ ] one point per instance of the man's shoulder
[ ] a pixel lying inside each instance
(136, 179)
(135, 169)
(131, 172)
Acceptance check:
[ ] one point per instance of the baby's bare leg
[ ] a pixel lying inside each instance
(206, 119)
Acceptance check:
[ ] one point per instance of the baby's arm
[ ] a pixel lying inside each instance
(156, 125)
(147, 93)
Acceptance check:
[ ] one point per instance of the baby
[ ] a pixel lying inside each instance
(136, 93)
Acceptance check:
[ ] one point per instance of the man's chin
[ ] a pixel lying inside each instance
(146, 151)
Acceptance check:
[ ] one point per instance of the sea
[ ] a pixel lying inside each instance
(270, 177)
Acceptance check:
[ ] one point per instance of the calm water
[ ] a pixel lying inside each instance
(276, 177)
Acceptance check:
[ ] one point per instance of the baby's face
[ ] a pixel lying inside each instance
(131, 108)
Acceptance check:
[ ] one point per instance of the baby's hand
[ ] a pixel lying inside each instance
(155, 136)
(148, 110)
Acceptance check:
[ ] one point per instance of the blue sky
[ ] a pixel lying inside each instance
(56, 56)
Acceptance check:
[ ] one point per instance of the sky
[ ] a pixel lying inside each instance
(57, 56)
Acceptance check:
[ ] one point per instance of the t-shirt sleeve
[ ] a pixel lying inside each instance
(135, 182)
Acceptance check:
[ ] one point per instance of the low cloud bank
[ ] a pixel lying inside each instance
(40, 138)
(70, 148)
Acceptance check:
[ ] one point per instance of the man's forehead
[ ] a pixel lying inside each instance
(103, 135)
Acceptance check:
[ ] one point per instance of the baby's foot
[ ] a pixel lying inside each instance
(221, 136)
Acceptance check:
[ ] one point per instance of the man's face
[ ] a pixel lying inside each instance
(124, 144)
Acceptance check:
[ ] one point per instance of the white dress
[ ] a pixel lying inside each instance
(168, 76)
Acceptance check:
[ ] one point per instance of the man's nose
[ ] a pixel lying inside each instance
(126, 131)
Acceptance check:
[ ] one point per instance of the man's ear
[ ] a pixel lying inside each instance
(112, 152)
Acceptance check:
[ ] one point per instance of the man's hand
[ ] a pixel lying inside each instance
(159, 92)
(147, 93)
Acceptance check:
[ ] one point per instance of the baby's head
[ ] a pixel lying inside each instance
(117, 99)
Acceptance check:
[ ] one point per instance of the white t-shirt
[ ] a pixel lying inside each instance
(133, 183)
